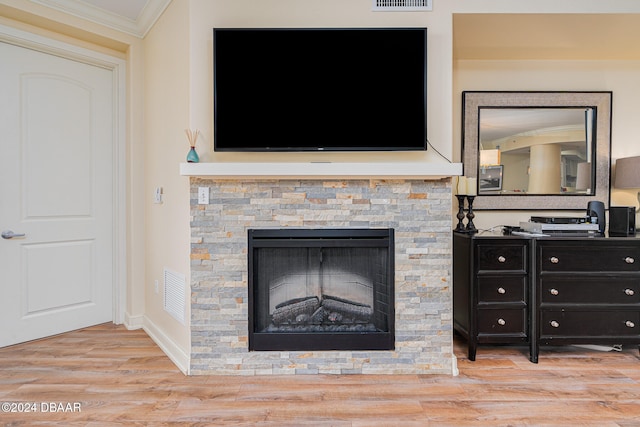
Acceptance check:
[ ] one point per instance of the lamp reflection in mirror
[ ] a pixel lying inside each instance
(490, 157)
(628, 174)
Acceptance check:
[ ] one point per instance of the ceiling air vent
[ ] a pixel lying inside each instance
(402, 5)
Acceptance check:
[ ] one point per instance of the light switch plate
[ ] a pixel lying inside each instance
(157, 195)
(203, 195)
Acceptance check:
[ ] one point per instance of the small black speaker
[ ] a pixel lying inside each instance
(622, 221)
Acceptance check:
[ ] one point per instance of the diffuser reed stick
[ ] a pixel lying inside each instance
(192, 136)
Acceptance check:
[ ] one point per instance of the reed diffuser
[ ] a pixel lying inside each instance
(192, 137)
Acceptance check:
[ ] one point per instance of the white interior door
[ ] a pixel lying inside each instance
(56, 188)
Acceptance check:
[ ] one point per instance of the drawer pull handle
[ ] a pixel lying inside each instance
(629, 292)
(630, 324)
(553, 291)
(501, 259)
(554, 260)
(502, 291)
(503, 322)
(629, 260)
(554, 324)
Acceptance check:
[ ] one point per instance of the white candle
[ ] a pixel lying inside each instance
(472, 186)
(461, 188)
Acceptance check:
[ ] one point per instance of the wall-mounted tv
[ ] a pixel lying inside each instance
(328, 89)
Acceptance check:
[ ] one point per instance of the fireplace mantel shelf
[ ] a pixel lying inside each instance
(320, 170)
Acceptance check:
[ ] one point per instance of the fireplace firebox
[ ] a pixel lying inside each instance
(321, 289)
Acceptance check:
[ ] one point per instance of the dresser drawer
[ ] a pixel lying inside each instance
(502, 321)
(588, 256)
(502, 289)
(590, 290)
(501, 257)
(607, 324)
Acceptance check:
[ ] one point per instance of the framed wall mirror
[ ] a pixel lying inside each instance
(537, 150)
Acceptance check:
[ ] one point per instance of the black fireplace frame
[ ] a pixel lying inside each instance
(319, 341)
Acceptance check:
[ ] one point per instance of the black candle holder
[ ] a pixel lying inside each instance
(471, 228)
(460, 228)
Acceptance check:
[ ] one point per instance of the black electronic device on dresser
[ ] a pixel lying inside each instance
(622, 221)
(574, 290)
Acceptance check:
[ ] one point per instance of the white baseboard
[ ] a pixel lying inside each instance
(170, 348)
(454, 366)
(133, 322)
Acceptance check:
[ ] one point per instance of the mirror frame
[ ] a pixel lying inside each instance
(472, 101)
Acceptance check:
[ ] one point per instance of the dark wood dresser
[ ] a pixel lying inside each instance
(546, 291)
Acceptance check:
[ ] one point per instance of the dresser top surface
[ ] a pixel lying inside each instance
(497, 234)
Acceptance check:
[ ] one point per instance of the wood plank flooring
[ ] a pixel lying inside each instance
(119, 377)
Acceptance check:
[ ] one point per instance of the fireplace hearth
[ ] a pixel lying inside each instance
(321, 289)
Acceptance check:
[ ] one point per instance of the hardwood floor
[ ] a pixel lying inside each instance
(119, 377)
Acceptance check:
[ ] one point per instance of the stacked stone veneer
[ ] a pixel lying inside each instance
(420, 213)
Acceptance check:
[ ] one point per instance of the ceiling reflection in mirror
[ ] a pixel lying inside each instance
(541, 151)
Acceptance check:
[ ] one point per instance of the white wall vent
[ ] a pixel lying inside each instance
(174, 291)
(402, 5)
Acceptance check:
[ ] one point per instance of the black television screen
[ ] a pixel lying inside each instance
(329, 89)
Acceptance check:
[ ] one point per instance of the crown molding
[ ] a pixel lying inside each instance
(138, 28)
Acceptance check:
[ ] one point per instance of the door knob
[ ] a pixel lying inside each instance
(8, 234)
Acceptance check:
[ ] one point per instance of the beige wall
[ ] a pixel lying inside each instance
(166, 88)
(170, 89)
(588, 71)
(39, 19)
(620, 77)
(207, 14)
(539, 6)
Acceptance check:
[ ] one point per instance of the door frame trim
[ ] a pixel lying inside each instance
(118, 68)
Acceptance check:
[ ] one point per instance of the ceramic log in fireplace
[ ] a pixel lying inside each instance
(321, 289)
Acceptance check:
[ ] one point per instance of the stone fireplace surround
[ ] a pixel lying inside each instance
(418, 209)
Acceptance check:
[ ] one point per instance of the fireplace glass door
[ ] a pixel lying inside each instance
(321, 289)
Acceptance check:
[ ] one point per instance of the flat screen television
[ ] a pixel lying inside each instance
(328, 89)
